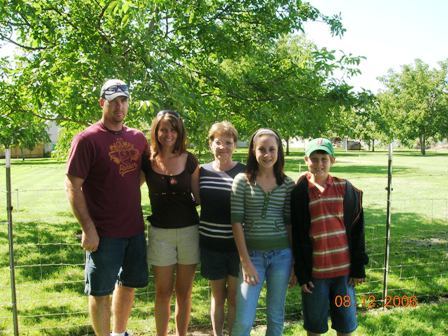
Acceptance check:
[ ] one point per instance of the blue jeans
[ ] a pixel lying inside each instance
(275, 267)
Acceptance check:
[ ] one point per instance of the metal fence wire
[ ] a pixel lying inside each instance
(48, 264)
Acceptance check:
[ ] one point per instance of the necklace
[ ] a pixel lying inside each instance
(165, 172)
(172, 180)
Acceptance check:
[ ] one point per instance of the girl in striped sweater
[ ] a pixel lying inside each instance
(260, 216)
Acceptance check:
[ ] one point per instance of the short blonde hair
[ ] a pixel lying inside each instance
(224, 128)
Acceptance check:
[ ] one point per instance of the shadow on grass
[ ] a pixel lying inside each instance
(45, 312)
(349, 170)
(418, 254)
(69, 331)
(418, 154)
(49, 319)
(65, 216)
(43, 248)
(75, 287)
(33, 162)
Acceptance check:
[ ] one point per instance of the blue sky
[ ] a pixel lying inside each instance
(389, 33)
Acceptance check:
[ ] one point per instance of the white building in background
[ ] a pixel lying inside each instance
(53, 132)
(41, 149)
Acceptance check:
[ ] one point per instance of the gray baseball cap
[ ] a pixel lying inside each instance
(114, 88)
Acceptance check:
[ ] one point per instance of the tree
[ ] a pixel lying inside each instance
(415, 102)
(362, 120)
(18, 125)
(174, 54)
(286, 85)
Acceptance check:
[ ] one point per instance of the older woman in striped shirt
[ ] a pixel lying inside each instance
(219, 256)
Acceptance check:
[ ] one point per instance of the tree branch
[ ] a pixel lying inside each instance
(21, 45)
(60, 118)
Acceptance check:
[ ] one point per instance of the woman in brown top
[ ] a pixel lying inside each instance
(172, 176)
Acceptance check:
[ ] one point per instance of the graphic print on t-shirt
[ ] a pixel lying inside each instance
(125, 155)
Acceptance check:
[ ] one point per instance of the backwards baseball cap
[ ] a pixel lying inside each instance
(114, 88)
(319, 144)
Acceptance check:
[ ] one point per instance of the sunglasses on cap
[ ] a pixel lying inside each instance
(165, 112)
(116, 88)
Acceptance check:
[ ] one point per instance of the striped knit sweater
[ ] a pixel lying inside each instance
(215, 229)
(264, 216)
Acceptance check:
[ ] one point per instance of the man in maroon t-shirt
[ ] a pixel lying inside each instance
(103, 187)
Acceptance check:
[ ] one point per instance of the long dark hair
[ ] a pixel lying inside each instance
(252, 164)
(176, 122)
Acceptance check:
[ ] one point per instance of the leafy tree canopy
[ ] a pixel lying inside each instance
(19, 126)
(415, 102)
(209, 59)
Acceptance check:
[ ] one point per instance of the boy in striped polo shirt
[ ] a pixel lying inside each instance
(328, 242)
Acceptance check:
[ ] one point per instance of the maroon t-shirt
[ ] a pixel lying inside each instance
(110, 164)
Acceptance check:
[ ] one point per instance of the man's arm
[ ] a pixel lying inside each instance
(75, 195)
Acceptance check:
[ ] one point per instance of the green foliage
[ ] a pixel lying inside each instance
(415, 102)
(363, 120)
(209, 59)
(19, 124)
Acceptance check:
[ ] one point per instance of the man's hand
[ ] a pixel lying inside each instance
(90, 240)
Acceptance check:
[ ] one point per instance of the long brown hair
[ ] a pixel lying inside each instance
(178, 125)
(252, 164)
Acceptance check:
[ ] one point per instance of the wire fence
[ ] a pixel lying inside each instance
(49, 263)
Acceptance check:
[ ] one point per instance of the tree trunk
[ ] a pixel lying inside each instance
(287, 146)
(422, 144)
(373, 145)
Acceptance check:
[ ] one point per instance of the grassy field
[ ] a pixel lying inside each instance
(49, 261)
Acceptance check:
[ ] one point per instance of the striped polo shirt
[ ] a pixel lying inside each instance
(331, 256)
(264, 215)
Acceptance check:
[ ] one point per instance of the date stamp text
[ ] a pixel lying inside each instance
(370, 301)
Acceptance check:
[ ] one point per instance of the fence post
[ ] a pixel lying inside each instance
(17, 199)
(10, 240)
(388, 220)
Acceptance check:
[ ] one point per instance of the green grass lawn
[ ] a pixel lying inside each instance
(49, 260)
